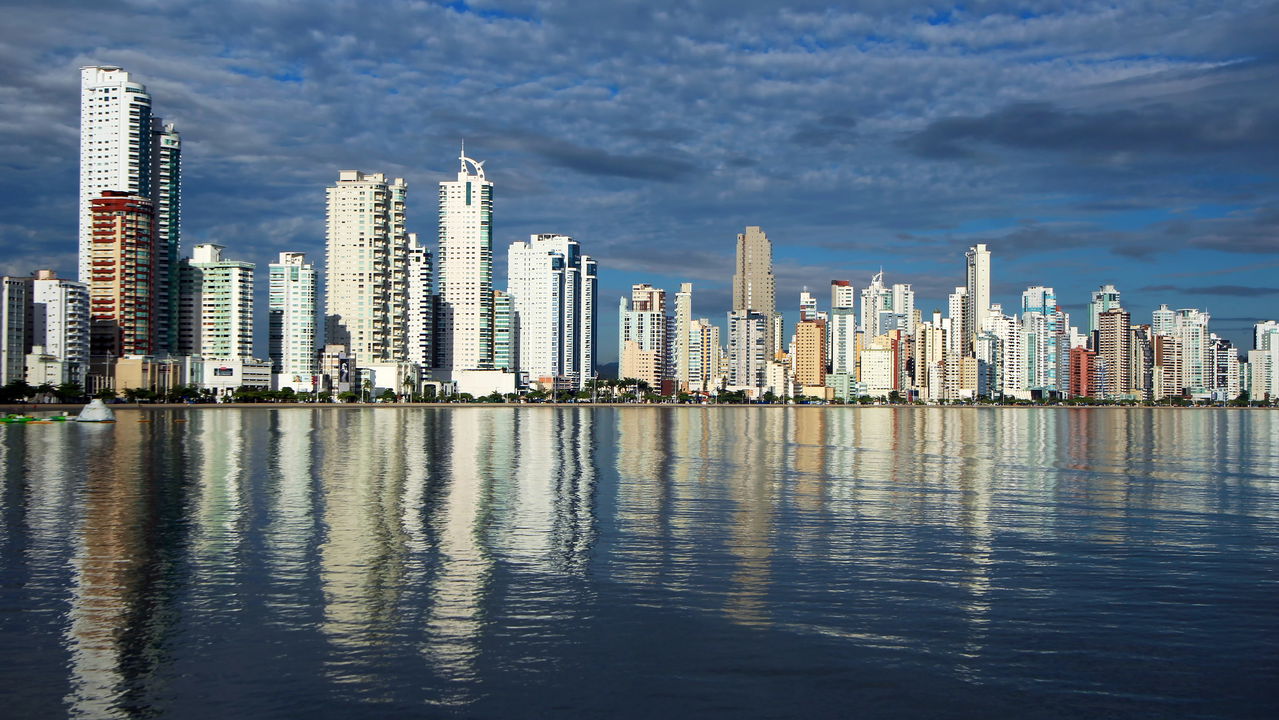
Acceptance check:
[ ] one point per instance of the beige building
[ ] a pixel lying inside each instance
(810, 352)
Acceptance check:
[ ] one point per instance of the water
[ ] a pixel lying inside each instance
(642, 562)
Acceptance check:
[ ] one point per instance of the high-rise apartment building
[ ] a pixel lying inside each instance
(705, 353)
(755, 286)
(959, 335)
(1113, 340)
(977, 264)
(60, 322)
(841, 330)
(166, 199)
(15, 299)
(292, 312)
(681, 350)
(367, 258)
(886, 308)
(421, 305)
(122, 276)
(464, 320)
(1104, 298)
(643, 336)
(552, 287)
(810, 352)
(506, 335)
(749, 337)
(124, 148)
(218, 311)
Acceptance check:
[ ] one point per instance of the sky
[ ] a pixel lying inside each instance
(1133, 143)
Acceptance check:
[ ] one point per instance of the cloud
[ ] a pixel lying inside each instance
(1114, 135)
(1226, 290)
(856, 138)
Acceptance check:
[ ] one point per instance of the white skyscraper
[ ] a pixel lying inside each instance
(552, 288)
(464, 323)
(842, 330)
(60, 321)
(1104, 298)
(960, 336)
(292, 310)
(978, 287)
(886, 308)
(221, 311)
(366, 258)
(421, 304)
(115, 142)
(124, 148)
(681, 339)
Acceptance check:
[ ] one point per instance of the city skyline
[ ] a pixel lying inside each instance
(1083, 157)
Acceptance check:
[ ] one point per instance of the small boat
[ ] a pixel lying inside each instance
(16, 419)
(96, 411)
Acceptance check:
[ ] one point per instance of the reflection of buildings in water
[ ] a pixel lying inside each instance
(455, 621)
(291, 514)
(810, 457)
(573, 532)
(644, 514)
(363, 557)
(973, 472)
(754, 494)
(43, 487)
(115, 626)
(219, 447)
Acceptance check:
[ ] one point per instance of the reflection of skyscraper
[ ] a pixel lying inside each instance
(455, 622)
(111, 641)
(290, 526)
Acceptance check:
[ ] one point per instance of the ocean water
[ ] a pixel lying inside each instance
(642, 562)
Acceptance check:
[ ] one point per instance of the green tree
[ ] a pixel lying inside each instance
(387, 395)
(69, 392)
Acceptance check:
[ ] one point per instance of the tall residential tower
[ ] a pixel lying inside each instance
(464, 320)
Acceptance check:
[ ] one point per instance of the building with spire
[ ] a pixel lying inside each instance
(464, 270)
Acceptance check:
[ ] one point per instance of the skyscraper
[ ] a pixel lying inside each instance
(681, 338)
(421, 305)
(166, 199)
(643, 342)
(841, 332)
(886, 308)
(220, 314)
(15, 299)
(978, 303)
(122, 279)
(1104, 298)
(552, 288)
(291, 307)
(754, 286)
(125, 148)
(1114, 351)
(366, 257)
(464, 323)
(60, 322)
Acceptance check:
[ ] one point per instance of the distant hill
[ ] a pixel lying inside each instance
(606, 371)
